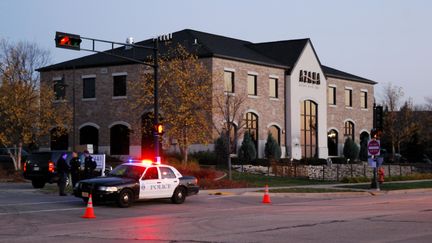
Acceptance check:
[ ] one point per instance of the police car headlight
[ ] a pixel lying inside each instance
(108, 188)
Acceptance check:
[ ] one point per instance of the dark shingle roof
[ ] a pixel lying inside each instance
(331, 72)
(282, 54)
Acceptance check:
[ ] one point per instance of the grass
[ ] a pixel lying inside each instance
(395, 186)
(253, 180)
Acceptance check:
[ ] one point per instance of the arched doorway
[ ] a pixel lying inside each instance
(309, 128)
(332, 142)
(59, 139)
(147, 137)
(275, 132)
(251, 120)
(119, 140)
(90, 135)
(349, 130)
(364, 138)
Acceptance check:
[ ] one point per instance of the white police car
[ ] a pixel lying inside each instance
(129, 182)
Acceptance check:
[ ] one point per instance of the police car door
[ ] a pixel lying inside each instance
(150, 184)
(169, 181)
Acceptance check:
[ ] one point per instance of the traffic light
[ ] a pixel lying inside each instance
(159, 129)
(378, 117)
(68, 41)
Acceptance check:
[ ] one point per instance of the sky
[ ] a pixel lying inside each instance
(387, 41)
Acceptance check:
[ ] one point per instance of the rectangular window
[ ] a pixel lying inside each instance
(89, 88)
(348, 97)
(229, 81)
(363, 100)
(119, 85)
(273, 87)
(252, 84)
(59, 89)
(331, 95)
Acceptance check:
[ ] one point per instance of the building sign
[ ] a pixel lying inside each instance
(309, 77)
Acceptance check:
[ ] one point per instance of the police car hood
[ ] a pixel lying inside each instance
(109, 180)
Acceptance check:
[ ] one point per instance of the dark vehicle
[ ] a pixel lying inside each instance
(136, 181)
(6, 161)
(40, 167)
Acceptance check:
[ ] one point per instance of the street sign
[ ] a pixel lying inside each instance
(374, 147)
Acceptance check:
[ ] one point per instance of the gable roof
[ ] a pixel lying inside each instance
(280, 54)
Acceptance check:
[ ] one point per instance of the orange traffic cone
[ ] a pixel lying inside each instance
(266, 198)
(89, 213)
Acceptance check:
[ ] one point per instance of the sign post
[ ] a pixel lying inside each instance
(374, 148)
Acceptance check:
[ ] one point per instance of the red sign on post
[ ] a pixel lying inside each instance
(374, 147)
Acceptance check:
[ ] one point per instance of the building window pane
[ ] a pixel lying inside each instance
(89, 88)
(273, 88)
(229, 81)
(119, 85)
(252, 84)
(349, 130)
(348, 97)
(59, 90)
(363, 99)
(251, 121)
(332, 95)
(308, 129)
(119, 140)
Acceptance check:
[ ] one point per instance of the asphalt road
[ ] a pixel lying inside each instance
(30, 215)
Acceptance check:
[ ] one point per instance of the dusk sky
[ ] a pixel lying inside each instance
(385, 41)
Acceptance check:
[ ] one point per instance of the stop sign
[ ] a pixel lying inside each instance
(374, 147)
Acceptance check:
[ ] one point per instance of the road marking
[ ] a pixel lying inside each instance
(41, 211)
(221, 197)
(34, 203)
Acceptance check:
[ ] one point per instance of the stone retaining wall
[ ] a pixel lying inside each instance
(333, 172)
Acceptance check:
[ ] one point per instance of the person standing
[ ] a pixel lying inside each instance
(75, 168)
(63, 172)
(89, 165)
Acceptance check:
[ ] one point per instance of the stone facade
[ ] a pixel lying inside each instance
(334, 172)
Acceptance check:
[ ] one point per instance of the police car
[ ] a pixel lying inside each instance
(129, 182)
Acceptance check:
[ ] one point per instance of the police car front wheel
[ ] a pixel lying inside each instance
(179, 195)
(125, 198)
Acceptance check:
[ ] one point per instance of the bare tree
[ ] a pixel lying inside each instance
(27, 111)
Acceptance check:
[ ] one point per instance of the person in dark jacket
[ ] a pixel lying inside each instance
(89, 165)
(75, 170)
(63, 172)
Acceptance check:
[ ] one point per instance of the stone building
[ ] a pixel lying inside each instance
(309, 108)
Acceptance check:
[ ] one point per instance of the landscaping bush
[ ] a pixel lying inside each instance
(313, 161)
(247, 151)
(350, 150)
(221, 150)
(205, 157)
(272, 149)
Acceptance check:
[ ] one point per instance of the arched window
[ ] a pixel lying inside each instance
(90, 135)
(59, 139)
(275, 132)
(308, 129)
(251, 121)
(332, 142)
(119, 140)
(349, 130)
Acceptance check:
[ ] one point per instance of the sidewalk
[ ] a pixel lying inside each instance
(355, 191)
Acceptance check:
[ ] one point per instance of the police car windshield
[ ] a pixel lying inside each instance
(128, 171)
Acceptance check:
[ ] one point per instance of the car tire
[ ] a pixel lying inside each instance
(125, 198)
(38, 183)
(179, 195)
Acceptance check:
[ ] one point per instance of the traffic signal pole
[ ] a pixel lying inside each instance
(73, 42)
